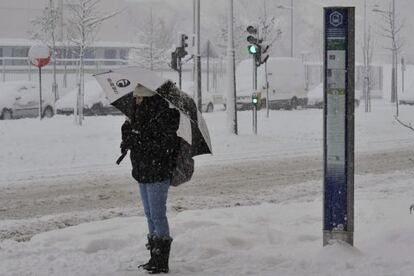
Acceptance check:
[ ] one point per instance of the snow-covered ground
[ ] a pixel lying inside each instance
(269, 239)
(33, 148)
(280, 238)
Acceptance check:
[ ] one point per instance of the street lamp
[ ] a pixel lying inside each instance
(291, 23)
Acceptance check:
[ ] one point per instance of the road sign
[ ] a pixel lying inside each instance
(39, 55)
(339, 124)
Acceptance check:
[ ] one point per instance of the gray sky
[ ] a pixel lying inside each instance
(307, 19)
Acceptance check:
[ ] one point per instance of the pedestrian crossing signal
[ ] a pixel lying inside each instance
(255, 99)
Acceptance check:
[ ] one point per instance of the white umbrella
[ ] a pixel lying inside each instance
(119, 84)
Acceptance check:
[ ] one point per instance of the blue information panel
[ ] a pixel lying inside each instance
(338, 121)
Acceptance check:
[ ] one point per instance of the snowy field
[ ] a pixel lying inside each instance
(280, 238)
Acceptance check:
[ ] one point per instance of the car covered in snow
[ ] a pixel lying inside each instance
(209, 100)
(95, 101)
(20, 99)
(315, 97)
(407, 97)
(286, 80)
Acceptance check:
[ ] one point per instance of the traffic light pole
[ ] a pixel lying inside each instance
(267, 91)
(256, 49)
(198, 58)
(179, 73)
(254, 91)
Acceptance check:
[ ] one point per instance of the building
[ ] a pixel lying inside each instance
(113, 40)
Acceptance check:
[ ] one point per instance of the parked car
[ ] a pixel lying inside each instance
(315, 97)
(209, 100)
(407, 97)
(286, 77)
(20, 99)
(95, 101)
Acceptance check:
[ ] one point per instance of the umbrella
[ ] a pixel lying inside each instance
(119, 84)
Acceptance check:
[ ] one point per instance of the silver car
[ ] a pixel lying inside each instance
(20, 99)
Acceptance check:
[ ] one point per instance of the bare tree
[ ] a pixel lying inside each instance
(391, 29)
(368, 79)
(155, 37)
(267, 27)
(83, 23)
(44, 29)
(270, 33)
(240, 34)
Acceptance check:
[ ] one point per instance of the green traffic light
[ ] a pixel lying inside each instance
(252, 49)
(254, 99)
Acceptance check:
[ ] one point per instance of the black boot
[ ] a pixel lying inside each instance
(150, 246)
(161, 255)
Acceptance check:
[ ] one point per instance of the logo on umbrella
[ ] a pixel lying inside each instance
(123, 83)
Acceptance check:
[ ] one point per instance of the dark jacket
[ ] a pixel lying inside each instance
(151, 137)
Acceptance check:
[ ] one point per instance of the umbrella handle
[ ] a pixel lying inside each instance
(121, 157)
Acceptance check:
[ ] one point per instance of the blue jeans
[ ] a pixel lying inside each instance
(154, 199)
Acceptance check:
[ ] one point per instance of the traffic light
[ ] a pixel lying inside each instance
(258, 55)
(253, 40)
(174, 63)
(255, 99)
(256, 48)
(184, 39)
(253, 49)
(251, 30)
(181, 50)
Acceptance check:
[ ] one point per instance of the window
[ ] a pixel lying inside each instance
(90, 54)
(20, 52)
(123, 54)
(60, 52)
(110, 54)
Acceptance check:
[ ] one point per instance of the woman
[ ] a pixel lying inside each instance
(151, 137)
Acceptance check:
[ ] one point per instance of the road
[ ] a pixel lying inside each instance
(52, 202)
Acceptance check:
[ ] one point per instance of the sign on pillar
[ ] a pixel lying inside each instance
(339, 58)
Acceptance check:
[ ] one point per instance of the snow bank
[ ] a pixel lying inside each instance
(93, 94)
(11, 90)
(269, 239)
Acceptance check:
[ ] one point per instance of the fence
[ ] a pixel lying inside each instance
(12, 65)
